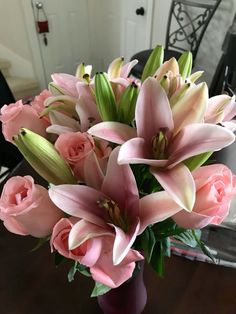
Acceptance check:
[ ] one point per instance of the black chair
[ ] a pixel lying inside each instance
(9, 156)
(187, 23)
(224, 79)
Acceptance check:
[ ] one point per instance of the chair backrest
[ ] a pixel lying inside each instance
(187, 23)
(9, 156)
(6, 96)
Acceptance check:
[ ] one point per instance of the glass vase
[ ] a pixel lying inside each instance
(129, 298)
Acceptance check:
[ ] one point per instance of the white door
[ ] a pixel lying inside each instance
(119, 30)
(68, 42)
(136, 23)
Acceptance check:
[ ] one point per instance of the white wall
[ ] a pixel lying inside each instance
(14, 44)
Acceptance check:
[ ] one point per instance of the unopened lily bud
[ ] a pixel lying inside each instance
(154, 61)
(114, 68)
(43, 157)
(179, 94)
(80, 71)
(165, 83)
(126, 106)
(105, 98)
(195, 76)
(185, 64)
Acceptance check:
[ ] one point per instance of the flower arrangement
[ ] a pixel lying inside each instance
(127, 163)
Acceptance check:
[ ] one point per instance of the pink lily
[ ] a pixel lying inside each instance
(115, 210)
(166, 137)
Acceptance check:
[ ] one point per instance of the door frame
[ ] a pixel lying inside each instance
(37, 58)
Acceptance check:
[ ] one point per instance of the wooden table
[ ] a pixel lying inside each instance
(30, 284)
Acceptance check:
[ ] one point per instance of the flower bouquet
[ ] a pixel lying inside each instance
(127, 162)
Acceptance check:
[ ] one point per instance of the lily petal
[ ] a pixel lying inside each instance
(59, 129)
(156, 207)
(115, 132)
(198, 138)
(120, 185)
(170, 65)
(125, 70)
(178, 183)
(67, 82)
(59, 118)
(136, 151)
(152, 110)
(190, 108)
(123, 242)
(82, 231)
(79, 201)
(93, 175)
(215, 108)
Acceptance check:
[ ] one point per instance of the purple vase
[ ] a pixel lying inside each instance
(131, 297)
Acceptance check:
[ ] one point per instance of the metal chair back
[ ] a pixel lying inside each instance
(187, 23)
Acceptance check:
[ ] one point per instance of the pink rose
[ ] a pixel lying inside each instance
(16, 116)
(38, 104)
(74, 147)
(215, 188)
(104, 270)
(26, 208)
(87, 253)
(95, 251)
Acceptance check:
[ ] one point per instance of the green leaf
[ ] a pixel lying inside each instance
(99, 289)
(166, 229)
(189, 238)
(203, 247)
(148, 242)
(157, 259)
(166, 247)
(73, 270)
(197, 161)
(105, 98)
(40, 242)
(154, 62)
(77, 267)
(59, 259)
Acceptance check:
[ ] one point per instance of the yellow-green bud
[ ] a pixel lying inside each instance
(127, 103)
(105, 98)
(43, 157)
(115, 68)
(154, 61)
(185, 64)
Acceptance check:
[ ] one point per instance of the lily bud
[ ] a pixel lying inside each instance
(165, 83)
(114, 68)
(185, 64)
(105, 98)
(43, 157)
(195, 76)
(154, 62)
(80, 71)
(62, 102)
(179, 94)
(83, 72)
(126, 106)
